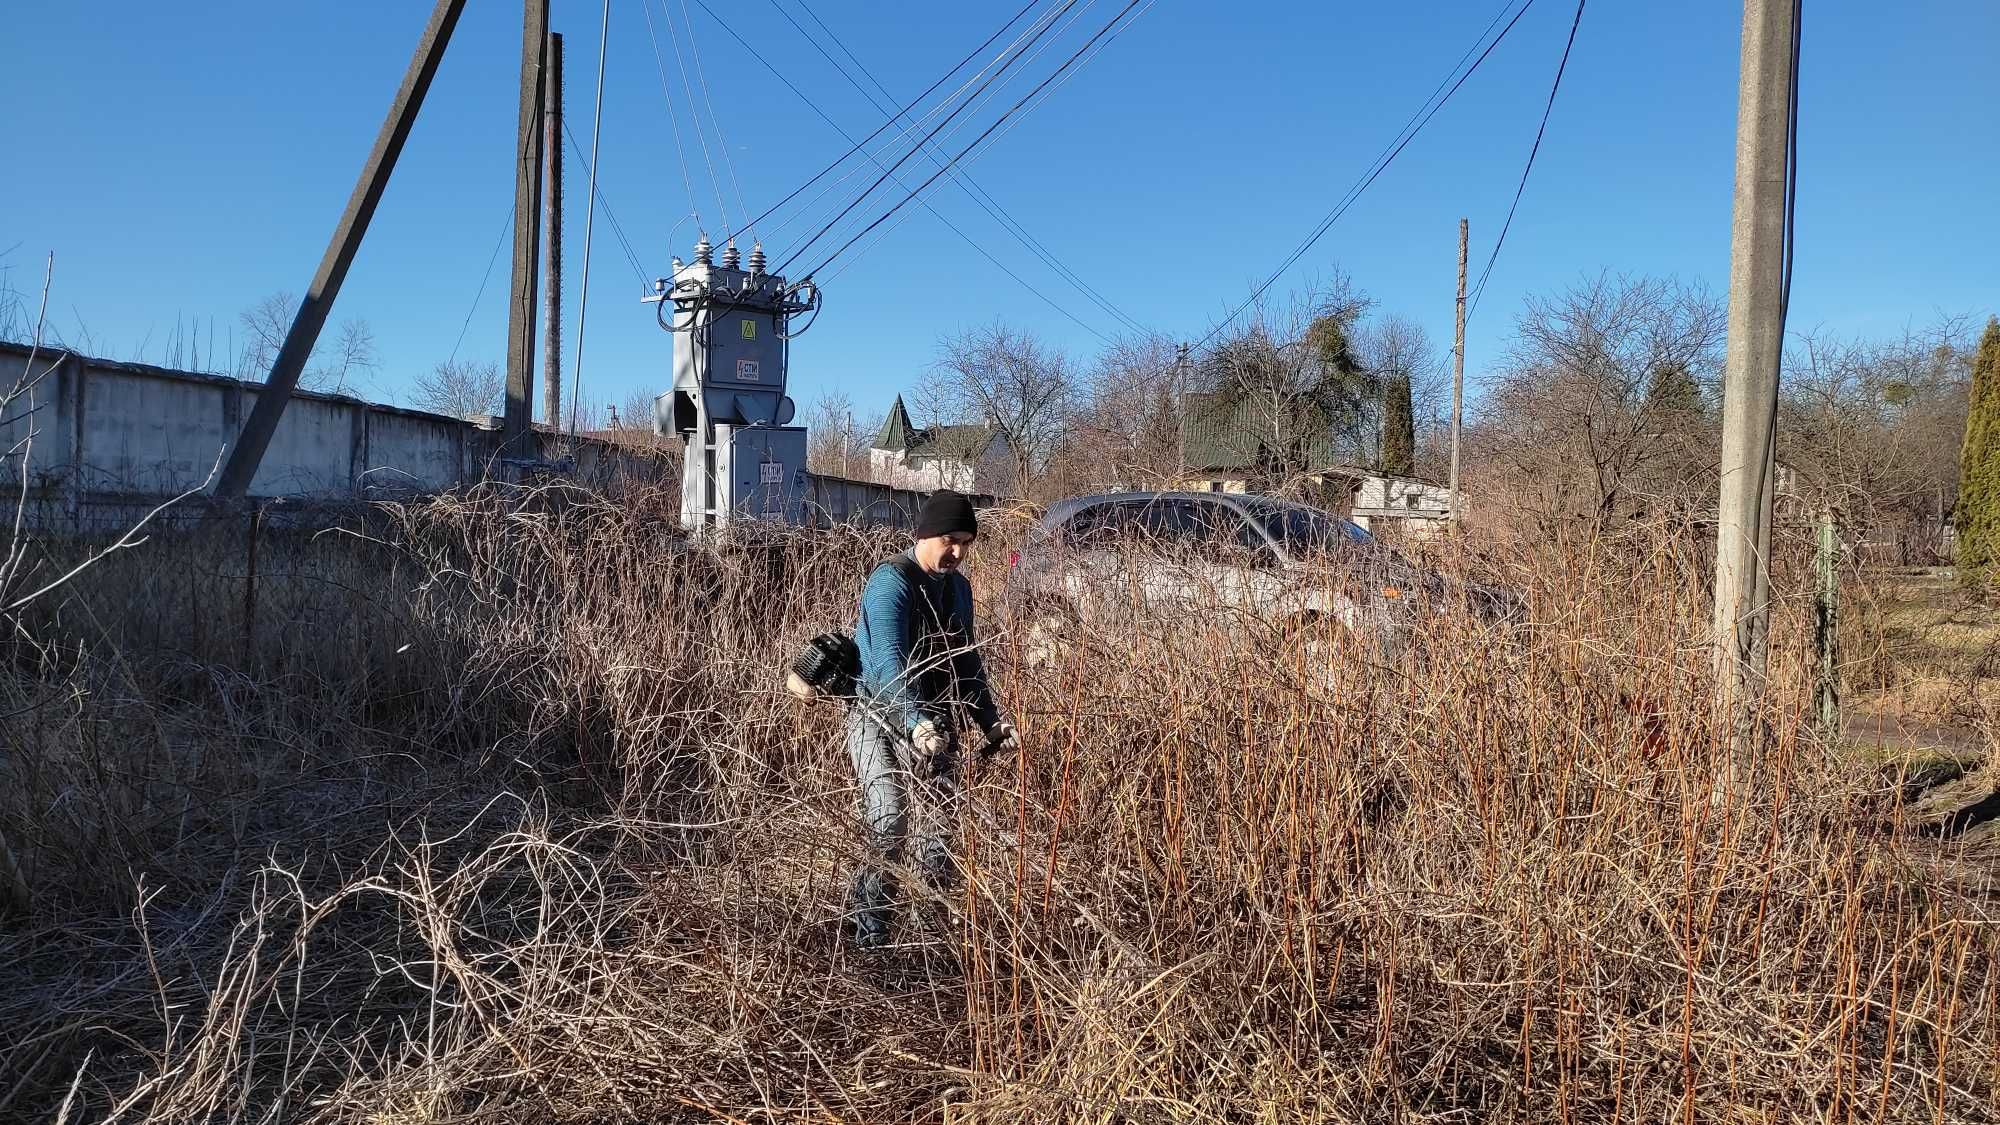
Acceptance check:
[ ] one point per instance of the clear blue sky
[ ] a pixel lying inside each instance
(190, 159)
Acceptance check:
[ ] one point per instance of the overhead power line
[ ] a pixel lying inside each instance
(694, 115)
(589, 215)
(940, 106)
(714, 119)
(1411, 128)
(617, 228)
(1479, 290)
(483, 278)
(1003, 119)
(987, 145)
(673, 119)
(962, 177)
(1058, 306)
(879, 130)
(900, 161)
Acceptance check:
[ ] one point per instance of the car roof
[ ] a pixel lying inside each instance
(1061, 511)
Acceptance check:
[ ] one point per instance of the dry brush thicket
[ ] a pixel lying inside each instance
(495, 812)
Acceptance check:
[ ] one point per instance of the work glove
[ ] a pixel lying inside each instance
(932, 744)
(1002, 738)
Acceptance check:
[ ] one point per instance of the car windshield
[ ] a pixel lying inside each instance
(1306, 530)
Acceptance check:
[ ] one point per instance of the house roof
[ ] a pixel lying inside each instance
(897, 431)
(951, 443)
(932, 443)
(1223, 433)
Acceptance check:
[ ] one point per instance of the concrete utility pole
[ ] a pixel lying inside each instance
(1750, 370)
(248, 452)
(552, 99)
(517, 426)
(1458, 365)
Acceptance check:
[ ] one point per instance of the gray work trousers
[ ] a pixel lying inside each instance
(897, 806)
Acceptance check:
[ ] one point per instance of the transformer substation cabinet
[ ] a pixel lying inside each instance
(732, 326)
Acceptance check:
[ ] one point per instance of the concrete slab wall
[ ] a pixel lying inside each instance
(421, 453)
(112, 437)
(36, 421)
(111, 440)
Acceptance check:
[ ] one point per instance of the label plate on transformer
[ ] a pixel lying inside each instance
(746, 369)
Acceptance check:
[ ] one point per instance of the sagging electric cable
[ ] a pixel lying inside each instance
(1479, 290)
(857, 145)
(948, 119)
(1011, 111)
(1425, 112)
(977, 98)
(962, 177)
(673, 119)
(1060, 308)
(995, 139)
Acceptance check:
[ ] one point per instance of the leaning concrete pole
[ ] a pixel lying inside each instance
(517, 423)
(1750, 372)
(248, 452)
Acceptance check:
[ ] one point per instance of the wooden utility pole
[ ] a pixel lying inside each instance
(1180, 410)
(1826, 631)
(552, 101)
(517, 427)
(1750, 363)
(1458, 365)
(248, 451)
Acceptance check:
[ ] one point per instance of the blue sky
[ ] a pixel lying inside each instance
(187, 160)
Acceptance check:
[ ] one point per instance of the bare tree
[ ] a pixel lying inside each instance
(335, 365)
(637, 413)
(351, 353)
(1293, 382)
(836, 441)
(1604, 406)
(1398, 350)
(14, 321)
(1009, 381)
(264, 326)
(1129, 431)
(628, 422)
(1870, 429)
(461, 388)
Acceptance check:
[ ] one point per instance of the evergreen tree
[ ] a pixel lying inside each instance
(1673, 388)
(1399, 428)
(1977, 514)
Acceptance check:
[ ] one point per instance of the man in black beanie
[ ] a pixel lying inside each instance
(919, 670)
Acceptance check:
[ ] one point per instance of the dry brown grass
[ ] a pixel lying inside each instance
(572, 855)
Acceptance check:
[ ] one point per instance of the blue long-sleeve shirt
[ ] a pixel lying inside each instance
(916, 640)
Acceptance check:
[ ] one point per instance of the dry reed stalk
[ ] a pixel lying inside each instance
(517, 826)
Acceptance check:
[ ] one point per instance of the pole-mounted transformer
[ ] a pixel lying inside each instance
(732, 326)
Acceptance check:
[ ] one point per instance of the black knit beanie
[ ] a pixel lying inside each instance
(944, 513)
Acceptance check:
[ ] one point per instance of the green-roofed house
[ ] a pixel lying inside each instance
(1229, 447)
(968, 458)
